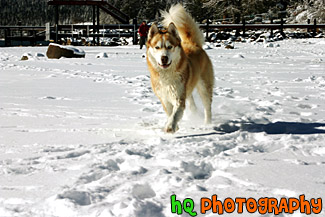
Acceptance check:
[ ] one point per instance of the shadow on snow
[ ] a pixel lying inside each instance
(273, 128)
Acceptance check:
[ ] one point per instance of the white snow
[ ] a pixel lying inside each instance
(84, 137)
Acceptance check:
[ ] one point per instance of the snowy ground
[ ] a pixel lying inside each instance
(83, 137)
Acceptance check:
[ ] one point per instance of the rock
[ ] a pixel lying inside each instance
(39, 55)
(26, 56)
(229, 46)
(102, 55)
(269, 45)
(56, 51)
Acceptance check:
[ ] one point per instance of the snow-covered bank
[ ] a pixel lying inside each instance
(83, 137)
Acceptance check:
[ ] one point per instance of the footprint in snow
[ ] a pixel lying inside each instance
(202, 171)
(57, 149)
(19, 170)
(91, 177)
(143, 191)
(80, 198)
(53, 98)
(148, 209)
(99, 171)
(139, 171)
(85, 198)
(73, 154)
(141, 154)
(238, 56)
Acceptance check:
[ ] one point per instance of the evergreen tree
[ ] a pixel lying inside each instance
(37, 12)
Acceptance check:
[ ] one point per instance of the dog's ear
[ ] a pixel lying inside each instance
(152, 31)
(173, 30)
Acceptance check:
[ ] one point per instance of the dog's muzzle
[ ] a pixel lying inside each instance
(164, 62)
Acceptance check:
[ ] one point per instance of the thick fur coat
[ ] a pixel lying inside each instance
(178, 64)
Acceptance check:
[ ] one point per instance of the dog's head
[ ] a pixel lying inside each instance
(164, 46)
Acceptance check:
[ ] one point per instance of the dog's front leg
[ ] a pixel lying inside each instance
(175, 117)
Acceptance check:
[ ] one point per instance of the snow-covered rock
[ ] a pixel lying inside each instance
(56, 51)
(27, 56)
(102, 55)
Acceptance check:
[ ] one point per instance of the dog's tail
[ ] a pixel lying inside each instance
(187, 28)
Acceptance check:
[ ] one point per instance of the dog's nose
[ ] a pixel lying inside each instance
(164, 60)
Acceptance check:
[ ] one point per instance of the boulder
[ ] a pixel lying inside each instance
(56, 51)
(26, 56)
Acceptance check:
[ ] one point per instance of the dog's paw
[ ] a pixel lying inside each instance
(171, 129)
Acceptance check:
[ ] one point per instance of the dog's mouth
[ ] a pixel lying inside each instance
(164, 65)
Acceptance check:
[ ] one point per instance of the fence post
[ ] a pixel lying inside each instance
(56, 22)
(7, 33)
(244, 24)
(97, 29)
(315, 28)
(20, 33)
(33, 43)
(207, 30)
(271, 28)
(21, 36)
(47, 32)
(135, 31)
(94, 24)
(281, 27)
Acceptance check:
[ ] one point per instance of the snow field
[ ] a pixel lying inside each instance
(83, 137)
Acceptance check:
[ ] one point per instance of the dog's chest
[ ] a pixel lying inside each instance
(170, 89)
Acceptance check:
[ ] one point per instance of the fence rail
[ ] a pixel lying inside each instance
(37, 33)
(262, 26)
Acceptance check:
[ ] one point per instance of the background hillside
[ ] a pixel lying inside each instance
(37, 12)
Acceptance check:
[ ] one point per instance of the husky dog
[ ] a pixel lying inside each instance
(178, 64)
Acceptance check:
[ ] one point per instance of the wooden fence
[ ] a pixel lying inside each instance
(36, 34)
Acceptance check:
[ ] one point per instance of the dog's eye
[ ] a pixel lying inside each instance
(169, 47)
(157, 47)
